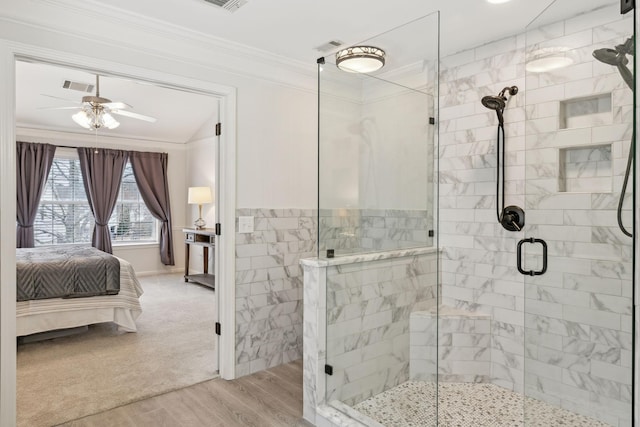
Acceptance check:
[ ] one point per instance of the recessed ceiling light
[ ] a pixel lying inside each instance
(498, 1)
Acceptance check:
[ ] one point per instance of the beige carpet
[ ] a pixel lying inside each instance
(66, 378)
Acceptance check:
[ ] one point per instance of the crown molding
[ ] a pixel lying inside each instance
(193, 47)
(55, 136)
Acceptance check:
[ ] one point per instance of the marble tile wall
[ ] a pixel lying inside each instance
(460, 339)
(564, 337)
(356, 319)
(586, 169)
(368, 311)
(269, 286)
(357, 230)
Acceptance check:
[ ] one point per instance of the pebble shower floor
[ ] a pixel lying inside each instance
(465, 405)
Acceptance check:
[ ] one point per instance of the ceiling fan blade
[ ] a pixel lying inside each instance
(59, 108)
(116, 105)
(62, 99)
(134, 115)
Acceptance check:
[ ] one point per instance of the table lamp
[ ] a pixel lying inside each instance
(199, 196)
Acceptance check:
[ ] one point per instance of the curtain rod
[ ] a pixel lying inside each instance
(98, 148)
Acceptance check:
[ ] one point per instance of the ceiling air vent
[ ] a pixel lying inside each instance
(81, 87)
(230, 5)
(330, 45)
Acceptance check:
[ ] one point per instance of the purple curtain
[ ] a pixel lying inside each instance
(150, 171)
(33, 163)
(102, 174)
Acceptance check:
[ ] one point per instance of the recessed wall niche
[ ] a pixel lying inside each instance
(586, 112)
(586, 169)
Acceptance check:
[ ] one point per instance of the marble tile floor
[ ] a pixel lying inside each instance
(464, 405)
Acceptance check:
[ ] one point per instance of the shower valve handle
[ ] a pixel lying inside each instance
(512, 218)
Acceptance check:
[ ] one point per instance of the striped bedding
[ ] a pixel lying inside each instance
(65, 271)
(35, 316)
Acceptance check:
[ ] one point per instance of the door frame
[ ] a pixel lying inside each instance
(10, 52)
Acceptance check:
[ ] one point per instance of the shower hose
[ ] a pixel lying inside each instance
(632, 149)
(499, 200)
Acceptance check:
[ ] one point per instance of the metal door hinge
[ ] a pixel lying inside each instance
(218, 129)
(432, 120)
(627, 6)
(328, 369)
(218, 328)
(218, 229)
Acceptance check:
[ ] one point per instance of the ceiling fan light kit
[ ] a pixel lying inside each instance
(95, 118)
(96, 112)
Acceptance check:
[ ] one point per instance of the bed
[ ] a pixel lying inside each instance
(121, 307)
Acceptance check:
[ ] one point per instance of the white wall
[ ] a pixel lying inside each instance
(276, 101)
(277, 146)
(375, 142)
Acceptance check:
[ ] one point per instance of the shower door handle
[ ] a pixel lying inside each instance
(544, 257)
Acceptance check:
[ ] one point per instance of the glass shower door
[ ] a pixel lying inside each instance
(576, 257)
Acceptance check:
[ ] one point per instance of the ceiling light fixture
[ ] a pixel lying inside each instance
(360, 59)
(548, 59)
(95, 117)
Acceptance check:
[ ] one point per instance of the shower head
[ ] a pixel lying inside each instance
(499, 102)
(610, 56)
(617, 55)
(618, 58)
(494, 102)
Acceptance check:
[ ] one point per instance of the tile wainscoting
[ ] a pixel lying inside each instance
(269, 286)
(357, 230)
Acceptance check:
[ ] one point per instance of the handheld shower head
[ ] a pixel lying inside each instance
(499, 102)
(610, 56)
(618, 58)
(494, 102)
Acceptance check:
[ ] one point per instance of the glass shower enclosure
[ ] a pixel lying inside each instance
(430, 311)
(376, 223)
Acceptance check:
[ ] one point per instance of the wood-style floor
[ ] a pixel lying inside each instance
(268, 398)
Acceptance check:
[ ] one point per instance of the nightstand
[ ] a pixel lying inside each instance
(206, 239)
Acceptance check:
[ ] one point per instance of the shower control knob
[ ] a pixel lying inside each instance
(512, 218)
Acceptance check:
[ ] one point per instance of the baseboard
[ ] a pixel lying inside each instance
(153, 273)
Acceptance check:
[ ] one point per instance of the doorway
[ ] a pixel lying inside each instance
(226, 97)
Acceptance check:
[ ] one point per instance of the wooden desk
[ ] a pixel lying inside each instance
(206, 239)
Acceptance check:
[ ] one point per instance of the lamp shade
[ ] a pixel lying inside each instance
(199, 195)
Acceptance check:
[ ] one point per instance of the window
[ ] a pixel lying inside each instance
(64, 215)
(131, 220)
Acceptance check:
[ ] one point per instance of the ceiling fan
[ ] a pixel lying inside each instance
(97, 112)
